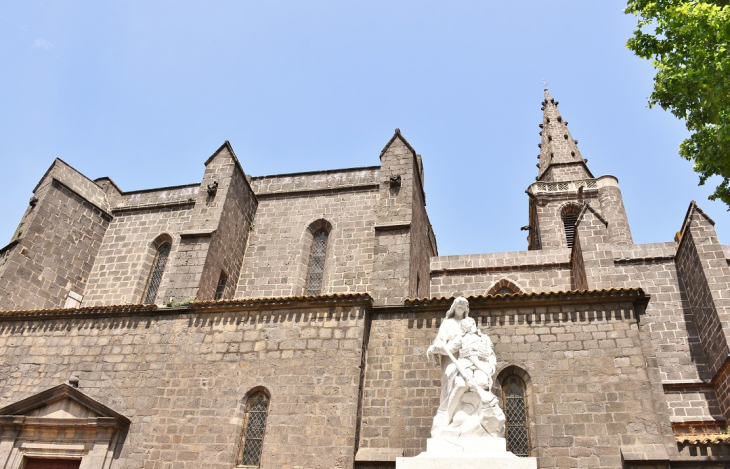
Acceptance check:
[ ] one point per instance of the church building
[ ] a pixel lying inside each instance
(282, 321)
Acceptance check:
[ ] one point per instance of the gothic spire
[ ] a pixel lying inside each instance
(560, 159)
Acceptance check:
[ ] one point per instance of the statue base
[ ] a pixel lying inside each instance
(448, 453)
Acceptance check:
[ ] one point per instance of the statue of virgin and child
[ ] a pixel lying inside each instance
(468, 408)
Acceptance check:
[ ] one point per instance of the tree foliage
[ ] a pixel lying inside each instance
(687, 42)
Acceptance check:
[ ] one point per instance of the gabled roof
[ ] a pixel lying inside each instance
(227, 145)
(56, 161)
(55, 394)
(397, 134)
(691, 210)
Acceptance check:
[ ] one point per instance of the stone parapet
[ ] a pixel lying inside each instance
(315, 181)
(517, 259)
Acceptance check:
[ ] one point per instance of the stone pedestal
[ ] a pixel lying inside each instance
(448, 453)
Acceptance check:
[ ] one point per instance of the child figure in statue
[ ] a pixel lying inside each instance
(477, 354)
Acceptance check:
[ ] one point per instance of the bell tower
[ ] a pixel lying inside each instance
(564, 184)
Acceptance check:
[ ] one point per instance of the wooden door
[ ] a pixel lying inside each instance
(32, 463)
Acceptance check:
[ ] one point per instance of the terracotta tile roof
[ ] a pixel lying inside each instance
(284, 300)
(122, 310)
(617, 292)
(703, 439)
(56, 312)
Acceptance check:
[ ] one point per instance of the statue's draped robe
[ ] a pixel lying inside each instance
(449, 335)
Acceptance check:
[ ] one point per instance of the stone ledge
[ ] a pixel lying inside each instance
(174, 204)
(378, 454)
(392, 226)
(314, 192)
(198, 233)
(644, 453)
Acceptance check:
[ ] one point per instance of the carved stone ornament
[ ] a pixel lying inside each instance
(213, 188)
(395, 181)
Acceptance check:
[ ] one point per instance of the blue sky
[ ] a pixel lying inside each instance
(144, 92)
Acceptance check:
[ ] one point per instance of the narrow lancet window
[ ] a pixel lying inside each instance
(316, 262)
(158, 268)
(569, 215)
(254, 427)
(220, 289)
(569, 225)
(513, 393)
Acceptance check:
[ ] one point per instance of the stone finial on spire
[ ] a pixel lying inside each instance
(557, 147)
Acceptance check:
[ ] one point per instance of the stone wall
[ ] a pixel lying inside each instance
(593, 397)
(577, 266)
(423, 245)
(596, 250)
(668, 317)
(77, 183)
(549, 209)
(181, 376)
(565, 172)
(148, 198)
(694, 284)
(394, 272)
(704, 277)
(55, 248)
(127, 252)
(475, 274)
(613, 210)
(214, 240)
(228, 243)
(317, 181)
(276, 262)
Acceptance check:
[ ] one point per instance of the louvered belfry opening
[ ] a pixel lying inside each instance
(158, 268)
(316, 262)
(254, 428)
(513, 390)
(569, 221)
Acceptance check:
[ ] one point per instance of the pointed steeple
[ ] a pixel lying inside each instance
(560, 159)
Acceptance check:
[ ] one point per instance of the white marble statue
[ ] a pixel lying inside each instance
(468, 408)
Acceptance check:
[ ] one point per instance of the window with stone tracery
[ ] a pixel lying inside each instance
(158, 268)
(515, 410)
(254, 429)
(316, 262)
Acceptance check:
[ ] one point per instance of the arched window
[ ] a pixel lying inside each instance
(158, 268)
(516, 431)
(254, 428)
(316, 262)
(569, 214)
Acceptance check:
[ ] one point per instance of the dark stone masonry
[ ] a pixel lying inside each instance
(176, 327)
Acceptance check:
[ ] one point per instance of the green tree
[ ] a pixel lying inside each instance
(687, 41)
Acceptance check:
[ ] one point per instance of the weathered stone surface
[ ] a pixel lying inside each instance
(605, 378)
(182, 378)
